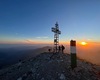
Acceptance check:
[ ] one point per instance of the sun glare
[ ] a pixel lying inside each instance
(83, 43)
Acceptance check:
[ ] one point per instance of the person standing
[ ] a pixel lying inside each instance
(62, 47)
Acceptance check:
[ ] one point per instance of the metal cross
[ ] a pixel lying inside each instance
(56, 36)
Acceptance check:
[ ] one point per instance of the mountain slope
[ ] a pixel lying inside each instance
(49, 66)
(13, 55)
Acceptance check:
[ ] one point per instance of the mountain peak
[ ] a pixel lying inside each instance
(50, 66)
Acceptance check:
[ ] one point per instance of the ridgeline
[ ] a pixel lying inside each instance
(50, 66)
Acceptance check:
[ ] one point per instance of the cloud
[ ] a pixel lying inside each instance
(29, 40)
(43, 37)
(38, 41)
(38, 37)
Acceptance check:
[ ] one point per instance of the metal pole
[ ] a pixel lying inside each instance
(73, 54)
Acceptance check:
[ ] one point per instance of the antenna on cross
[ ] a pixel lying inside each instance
(56, 35)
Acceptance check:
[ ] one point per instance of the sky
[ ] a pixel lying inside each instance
(30, 21)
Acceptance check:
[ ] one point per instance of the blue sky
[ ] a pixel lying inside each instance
(30, 21)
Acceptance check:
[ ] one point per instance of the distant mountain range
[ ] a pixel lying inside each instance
(12, 55)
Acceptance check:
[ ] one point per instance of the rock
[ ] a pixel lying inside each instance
(19, 63)
(20, 78)
(62, 77)
(33, 70)
(42, 79)
(63, 71)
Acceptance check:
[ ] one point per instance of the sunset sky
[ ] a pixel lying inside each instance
(30, 21)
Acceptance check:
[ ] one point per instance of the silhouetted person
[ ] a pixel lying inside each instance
(59, 48)
(62, 47)
(49, 50)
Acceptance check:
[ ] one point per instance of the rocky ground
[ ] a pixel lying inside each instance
(49, 66)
